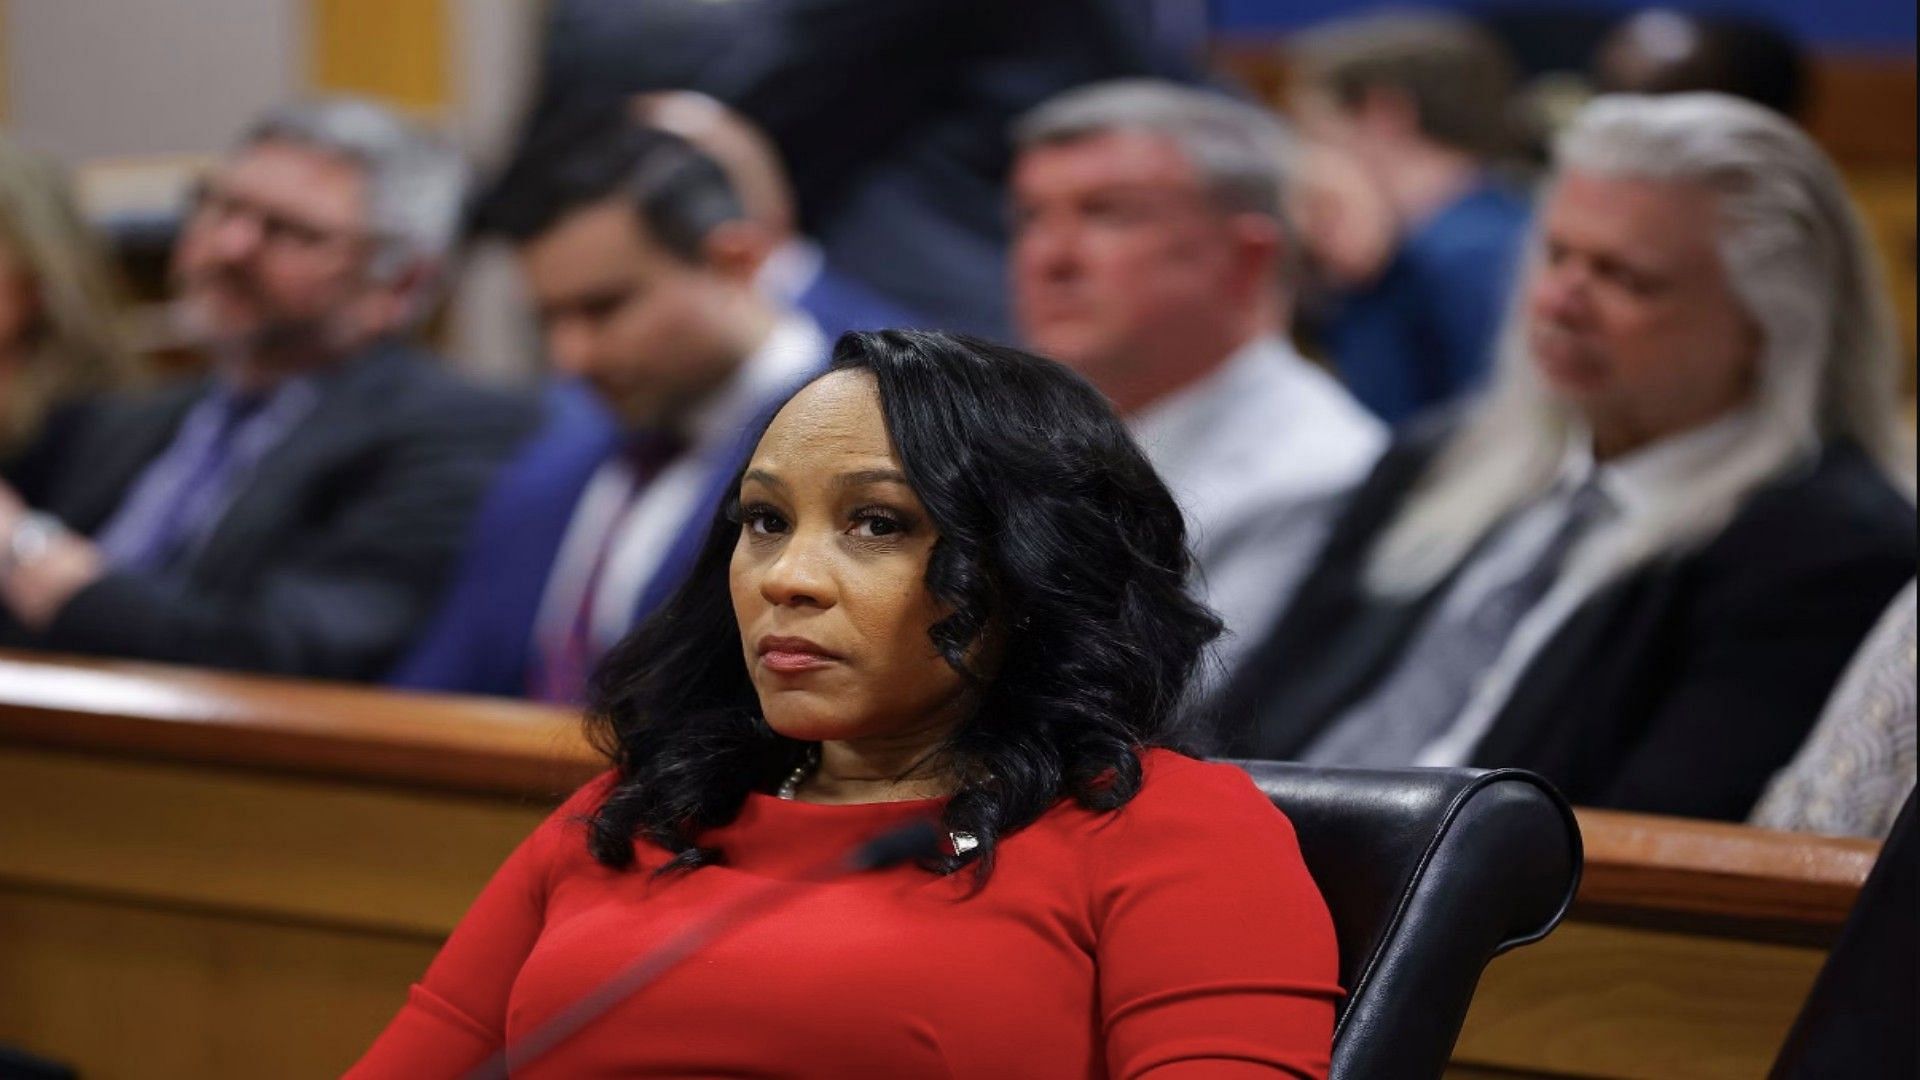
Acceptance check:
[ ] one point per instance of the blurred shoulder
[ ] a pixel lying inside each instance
(1840, 509)
(421, 388)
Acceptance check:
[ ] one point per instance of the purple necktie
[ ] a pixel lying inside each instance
(203, 483)
(559, 675)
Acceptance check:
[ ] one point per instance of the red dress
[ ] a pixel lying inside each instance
(1178, 937)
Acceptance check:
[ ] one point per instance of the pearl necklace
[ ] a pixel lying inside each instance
(789, 790)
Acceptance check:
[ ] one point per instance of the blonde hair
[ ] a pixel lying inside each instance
(76, 345)
(1799, 261)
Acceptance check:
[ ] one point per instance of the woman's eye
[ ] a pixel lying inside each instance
(762, 521)
(872, 524)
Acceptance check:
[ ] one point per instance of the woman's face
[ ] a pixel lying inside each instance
(829, 578)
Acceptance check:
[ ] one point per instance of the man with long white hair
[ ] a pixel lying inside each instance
(1638, 564)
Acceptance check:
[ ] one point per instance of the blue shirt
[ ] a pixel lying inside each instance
(1422, 334)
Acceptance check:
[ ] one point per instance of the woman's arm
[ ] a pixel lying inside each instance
(1216, 954)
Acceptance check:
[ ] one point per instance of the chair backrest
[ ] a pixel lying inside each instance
(1429, 874)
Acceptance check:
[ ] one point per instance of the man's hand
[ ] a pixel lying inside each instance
(35, 589)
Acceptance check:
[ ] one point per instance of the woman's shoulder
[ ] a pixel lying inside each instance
(1168, 776)
(1191, 801)
(565, 830)
(1204, 833)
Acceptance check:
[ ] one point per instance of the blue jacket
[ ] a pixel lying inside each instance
(481, 640)
(840, 303)
(1423, 334)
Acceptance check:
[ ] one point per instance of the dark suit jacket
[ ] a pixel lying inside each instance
(893, 115)
(1677, 689)
(332, 553)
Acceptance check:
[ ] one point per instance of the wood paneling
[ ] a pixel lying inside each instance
(1680, 869)
(381, 860)
(240, 870)
(396, 50)
(438, 742)
(124, 989)
(1595, 1000)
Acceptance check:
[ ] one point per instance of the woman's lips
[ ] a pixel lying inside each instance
(793, 655)
(793, 662)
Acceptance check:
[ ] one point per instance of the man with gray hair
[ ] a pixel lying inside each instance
(294, 511)
(1151, 253)
(1639, 564)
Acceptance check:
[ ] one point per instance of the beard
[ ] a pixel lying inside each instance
(266, 335)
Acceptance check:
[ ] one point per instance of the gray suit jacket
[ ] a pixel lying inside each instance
(332, 553)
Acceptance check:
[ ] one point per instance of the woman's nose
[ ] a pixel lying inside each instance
(799, 575)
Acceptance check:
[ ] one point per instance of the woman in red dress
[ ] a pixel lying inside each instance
(950, 590)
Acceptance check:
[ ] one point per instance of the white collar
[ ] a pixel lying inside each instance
(789, 271)
(1643, 478)
(792, 350)
(1184, 417)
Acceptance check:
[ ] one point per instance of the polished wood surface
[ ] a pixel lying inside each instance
(438, 742)
(1672, 866)
(208, 858)
(488, 746)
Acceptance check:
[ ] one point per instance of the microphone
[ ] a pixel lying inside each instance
(905, 843)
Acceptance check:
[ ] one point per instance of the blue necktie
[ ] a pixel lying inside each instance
(1442, 668)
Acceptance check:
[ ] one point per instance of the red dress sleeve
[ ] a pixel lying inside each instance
(455, 1016)
(1217, 957)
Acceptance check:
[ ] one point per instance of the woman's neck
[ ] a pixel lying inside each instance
(877, 770)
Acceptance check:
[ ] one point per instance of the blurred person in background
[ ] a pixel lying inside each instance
(1639, 565)
(295, 510)
(793, 270)
(892, 117)
(1662, 51)
(1417, 106)
(60, 320)
(644, 263)
(1152, 254)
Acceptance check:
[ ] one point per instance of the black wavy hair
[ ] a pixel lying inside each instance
(1056, 536)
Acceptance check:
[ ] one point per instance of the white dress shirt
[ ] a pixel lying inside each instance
(1636, 483)
(1258, 454)
(645, 527)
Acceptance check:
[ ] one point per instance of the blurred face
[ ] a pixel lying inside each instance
(19, 305)
(1630, 317)
(275, 252)
(647, 329)
(1121, 263)
(829, 578)
(1345, 220)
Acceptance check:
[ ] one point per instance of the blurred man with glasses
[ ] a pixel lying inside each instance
(295, 510)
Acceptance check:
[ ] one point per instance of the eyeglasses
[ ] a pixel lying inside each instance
(210, 203)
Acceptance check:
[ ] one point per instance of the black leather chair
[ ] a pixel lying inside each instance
(1429, 873)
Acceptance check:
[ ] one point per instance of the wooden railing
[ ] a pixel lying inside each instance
(197, 869)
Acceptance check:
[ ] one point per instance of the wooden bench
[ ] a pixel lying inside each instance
(224, 876)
